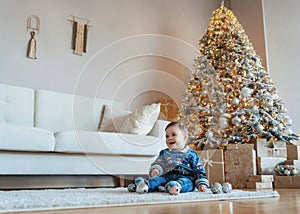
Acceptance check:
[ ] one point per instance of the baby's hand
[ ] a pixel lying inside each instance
(154, 172)
(202, 188)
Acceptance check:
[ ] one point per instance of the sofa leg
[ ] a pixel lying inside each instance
(122, 180)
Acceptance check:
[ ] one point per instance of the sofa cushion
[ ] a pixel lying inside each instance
(112, 119)
(22, 138)
(16, 105)
(107, 143)
(57, 111)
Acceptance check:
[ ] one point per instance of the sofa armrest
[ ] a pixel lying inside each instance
(158, 129)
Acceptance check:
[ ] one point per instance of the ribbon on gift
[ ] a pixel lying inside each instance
(278, 149)
(210, 162)
(275, 152)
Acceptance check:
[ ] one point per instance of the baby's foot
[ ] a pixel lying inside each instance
(141, 186)
(174, 188)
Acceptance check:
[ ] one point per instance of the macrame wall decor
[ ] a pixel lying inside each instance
(33, 25)
(79, 35)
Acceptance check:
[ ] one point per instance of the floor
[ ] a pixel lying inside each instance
(287, 203)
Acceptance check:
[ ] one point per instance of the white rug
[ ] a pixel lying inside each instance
(29, 200)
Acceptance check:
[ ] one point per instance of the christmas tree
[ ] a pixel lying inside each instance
(230, 97)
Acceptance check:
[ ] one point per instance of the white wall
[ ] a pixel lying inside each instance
(133, 46)
(250, 15)
(273, 28)
(282, 29)
(125, 61)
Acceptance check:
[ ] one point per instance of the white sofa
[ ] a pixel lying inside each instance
(51, 139)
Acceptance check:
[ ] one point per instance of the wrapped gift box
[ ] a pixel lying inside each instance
(265, 165)
(240, 164)
(262, 149)
(293, 152)
(261, 178)
(239, 146)
(213, 162)
(287, 182)
(279, 150)
(259, 185)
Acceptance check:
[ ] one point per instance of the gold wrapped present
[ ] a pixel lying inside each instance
(213, 162)
(240, 164)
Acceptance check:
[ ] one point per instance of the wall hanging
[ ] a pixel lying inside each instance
(79, 35)
(33, 25)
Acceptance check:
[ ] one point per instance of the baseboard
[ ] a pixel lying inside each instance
(8, 182)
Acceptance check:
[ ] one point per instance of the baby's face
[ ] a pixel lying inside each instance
(175, 138)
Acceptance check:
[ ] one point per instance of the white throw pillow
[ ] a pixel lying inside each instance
(142, 120)
(113, 118)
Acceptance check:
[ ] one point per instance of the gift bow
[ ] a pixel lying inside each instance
(207, 161)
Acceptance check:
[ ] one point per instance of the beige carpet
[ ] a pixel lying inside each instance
(50, 199)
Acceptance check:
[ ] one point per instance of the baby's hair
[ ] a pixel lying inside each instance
(180, 125)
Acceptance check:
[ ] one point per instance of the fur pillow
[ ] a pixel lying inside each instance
(142, 120)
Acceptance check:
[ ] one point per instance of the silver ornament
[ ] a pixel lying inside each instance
(287, 172)
(236, 121)
(216, 188)
(227, 187)
(235, 101)
(294, 172)
(246, 92)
